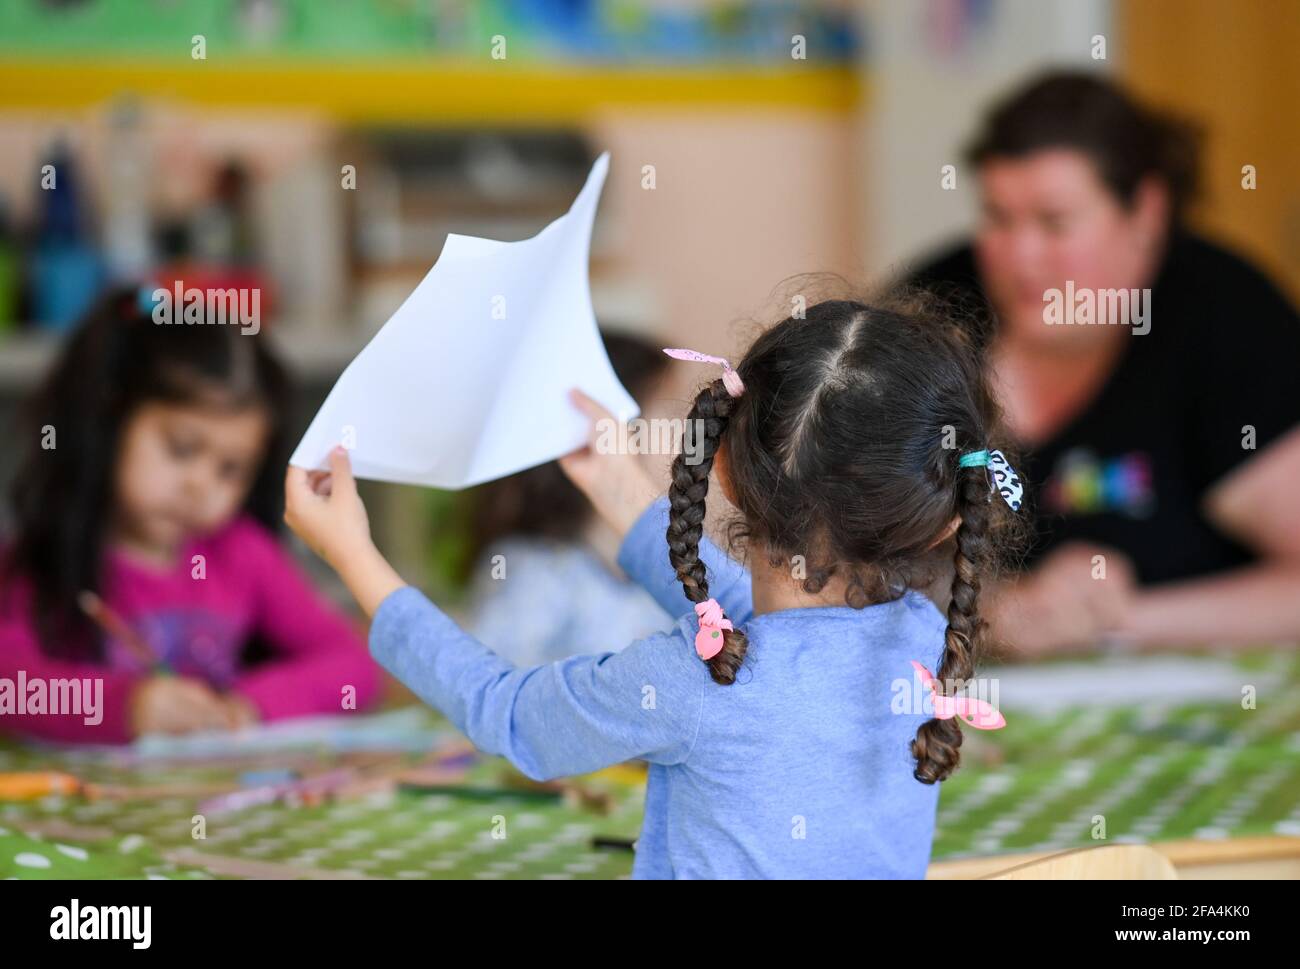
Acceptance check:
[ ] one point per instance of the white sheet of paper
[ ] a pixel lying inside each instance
(1154, 682)
(469, 379)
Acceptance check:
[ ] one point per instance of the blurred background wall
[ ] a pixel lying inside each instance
(782, 137)
(1233, 67)
(933, 68)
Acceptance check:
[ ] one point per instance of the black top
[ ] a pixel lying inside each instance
(1131, 470)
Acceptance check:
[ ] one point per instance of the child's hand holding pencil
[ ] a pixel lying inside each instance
(178, 704)
(164, 702)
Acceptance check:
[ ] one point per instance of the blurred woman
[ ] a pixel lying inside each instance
(1146, 372)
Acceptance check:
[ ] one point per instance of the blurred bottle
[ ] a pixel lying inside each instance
(223, 232)
(8, 271)
(128, 252)
(65, 269)
(216, 248)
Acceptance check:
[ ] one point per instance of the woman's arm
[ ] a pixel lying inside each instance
(1252, 606)
(1257, 504)
(1073, 601)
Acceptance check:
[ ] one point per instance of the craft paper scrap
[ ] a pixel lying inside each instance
(405, 729)
(469, 379)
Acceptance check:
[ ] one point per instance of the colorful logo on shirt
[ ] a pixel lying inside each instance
(192, 642)
(1083, 484)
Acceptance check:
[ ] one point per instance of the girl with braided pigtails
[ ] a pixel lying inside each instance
(791, 721)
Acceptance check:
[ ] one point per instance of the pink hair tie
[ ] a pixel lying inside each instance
(708, 641)
(980, 714)
(735, 386)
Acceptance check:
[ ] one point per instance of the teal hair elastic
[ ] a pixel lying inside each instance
(1002, 477)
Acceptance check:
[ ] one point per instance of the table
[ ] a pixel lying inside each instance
(1210, 772)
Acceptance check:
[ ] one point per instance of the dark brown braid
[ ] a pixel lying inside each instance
(686, 496)
(937, 746)
(843, 454)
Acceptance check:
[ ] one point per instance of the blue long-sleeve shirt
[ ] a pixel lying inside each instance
(800, 769)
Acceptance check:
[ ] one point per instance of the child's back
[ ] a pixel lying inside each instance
(802, 768)
(801, 771)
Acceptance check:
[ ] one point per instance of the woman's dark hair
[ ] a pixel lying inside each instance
(542, 501)
(117, 359)
(844, 449)
(1124, 140)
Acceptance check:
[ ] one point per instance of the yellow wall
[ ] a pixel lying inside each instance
(1235, 66)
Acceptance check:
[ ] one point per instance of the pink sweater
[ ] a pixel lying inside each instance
(200, 626)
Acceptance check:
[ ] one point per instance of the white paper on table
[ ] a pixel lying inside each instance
(1154, 682)
(447, 396)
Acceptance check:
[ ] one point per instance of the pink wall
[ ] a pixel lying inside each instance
(743, 200)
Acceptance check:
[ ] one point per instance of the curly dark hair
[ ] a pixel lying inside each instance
(844, 448)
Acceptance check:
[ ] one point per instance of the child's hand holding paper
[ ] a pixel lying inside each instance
(469, 379)
(325, 511)
(617, 485)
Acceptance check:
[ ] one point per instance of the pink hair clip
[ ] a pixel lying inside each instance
(735, 386)
(980, 714)
(708, 641)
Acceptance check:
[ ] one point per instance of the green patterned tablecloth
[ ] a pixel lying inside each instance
(1048, 781)
(1207, 770)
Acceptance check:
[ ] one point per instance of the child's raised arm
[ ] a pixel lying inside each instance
(644, 557)
(324, 510)
(625, 496)
(569, 717)
(617, 485)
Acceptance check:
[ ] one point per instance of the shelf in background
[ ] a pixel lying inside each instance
(421, 91)
(312, 355)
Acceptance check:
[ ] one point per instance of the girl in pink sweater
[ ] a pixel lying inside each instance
(142, 578)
